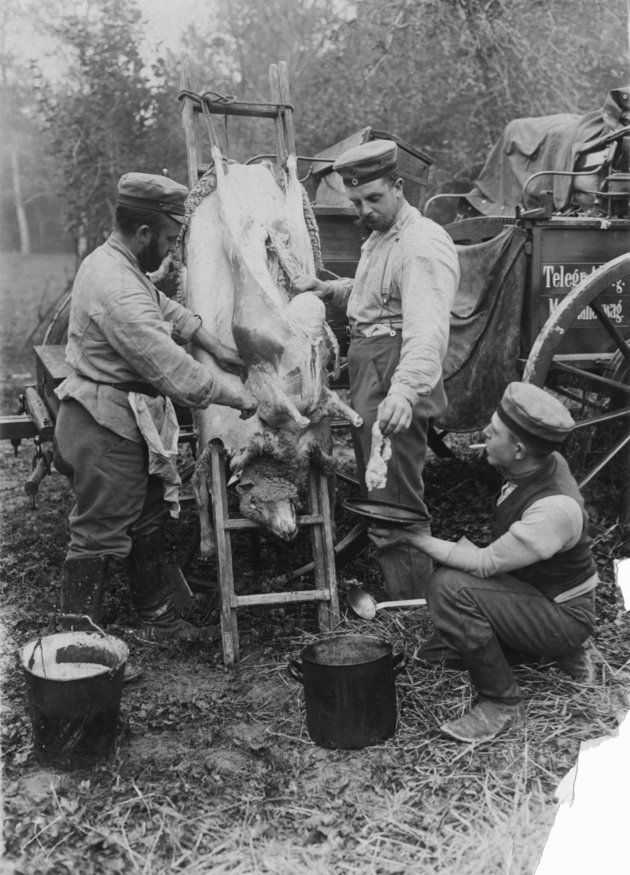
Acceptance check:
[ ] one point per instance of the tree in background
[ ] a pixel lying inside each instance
(104, 117)
(24, 166)
(445, 75)
(243, 38)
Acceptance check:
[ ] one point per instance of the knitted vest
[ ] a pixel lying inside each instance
(564, 570)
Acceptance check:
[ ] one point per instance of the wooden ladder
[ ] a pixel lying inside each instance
(319, 516)
(325, 577)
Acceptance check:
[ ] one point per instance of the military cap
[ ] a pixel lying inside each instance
(148, 191)
(528, 410)
(367, 162)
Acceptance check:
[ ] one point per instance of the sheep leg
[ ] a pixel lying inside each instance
(332, 403)
(277, 404)
(201, 488)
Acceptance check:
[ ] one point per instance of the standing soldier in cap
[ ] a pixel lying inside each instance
(398, 307)
(532, 590)
(125, 363)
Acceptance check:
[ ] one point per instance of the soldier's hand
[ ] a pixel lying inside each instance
(308, 283)
(394, 414)
(228, 359)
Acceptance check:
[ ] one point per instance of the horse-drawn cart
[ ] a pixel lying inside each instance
(544, 297)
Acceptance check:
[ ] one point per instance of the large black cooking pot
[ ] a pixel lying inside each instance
(349, 690)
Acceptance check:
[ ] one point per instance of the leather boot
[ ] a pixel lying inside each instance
(580, 664)
(82, 583)
(406, 571)
(152, 593)
(500, 704)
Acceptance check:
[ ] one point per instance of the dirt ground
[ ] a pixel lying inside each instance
(215, 770)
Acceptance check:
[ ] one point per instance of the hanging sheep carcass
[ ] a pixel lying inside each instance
(247, 242)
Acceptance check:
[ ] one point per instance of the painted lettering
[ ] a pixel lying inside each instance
(565, 276)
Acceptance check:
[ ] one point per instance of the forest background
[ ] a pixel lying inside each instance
(85, 96)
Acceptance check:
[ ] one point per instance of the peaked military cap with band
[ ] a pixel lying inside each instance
(528, 410)
(367, 162)
(148, 191)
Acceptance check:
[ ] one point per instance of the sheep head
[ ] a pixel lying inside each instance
(268, 497)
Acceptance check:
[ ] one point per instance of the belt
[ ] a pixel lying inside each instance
(375, 330)
(136, 386)
(129, 386)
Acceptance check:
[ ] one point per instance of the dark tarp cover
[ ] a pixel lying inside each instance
(485, 329)
(552, 142)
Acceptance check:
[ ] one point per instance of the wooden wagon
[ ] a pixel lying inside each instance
(544, 297)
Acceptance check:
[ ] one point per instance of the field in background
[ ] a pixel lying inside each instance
(30, 286)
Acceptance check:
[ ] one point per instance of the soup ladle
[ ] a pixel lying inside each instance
(366, 607)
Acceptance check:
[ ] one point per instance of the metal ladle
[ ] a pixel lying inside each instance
(366, 607)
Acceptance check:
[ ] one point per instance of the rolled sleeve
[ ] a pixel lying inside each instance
(185, 323)
(340, 290)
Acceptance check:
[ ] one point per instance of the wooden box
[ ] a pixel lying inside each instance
(327, 188)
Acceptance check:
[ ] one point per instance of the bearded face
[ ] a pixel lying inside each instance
(150, 256)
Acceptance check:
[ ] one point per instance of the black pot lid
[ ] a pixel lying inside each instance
(387, 513)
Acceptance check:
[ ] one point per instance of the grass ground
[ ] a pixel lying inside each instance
(215, 771)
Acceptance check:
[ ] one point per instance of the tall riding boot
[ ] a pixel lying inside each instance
(500, 705)
(82, 583)
(152, 592)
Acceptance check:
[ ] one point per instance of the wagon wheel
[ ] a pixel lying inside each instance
(57, 331)
(596, 390)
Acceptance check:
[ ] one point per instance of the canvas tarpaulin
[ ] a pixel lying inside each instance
(484, 341)
(553, 142)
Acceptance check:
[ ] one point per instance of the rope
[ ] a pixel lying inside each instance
(227, 99)
(313, 231)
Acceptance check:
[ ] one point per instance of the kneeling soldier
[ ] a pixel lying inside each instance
(532, 590)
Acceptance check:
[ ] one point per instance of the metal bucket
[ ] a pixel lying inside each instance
(349, 690)
(74, 682)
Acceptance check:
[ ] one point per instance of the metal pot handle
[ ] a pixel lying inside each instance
(400, 662)
(294, 668)
(75, 617)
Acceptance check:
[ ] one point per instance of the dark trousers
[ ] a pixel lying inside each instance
(113, 490)
(371, 365)
(467, 611)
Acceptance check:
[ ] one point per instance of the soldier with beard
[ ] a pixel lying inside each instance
(398, 307)
(124, 364)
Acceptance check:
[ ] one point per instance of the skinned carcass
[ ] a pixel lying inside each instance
(247, 242)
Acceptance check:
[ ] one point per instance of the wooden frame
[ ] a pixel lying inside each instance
(319, 518)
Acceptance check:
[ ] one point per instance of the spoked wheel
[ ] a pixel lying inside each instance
(596, 388)
(57, 331)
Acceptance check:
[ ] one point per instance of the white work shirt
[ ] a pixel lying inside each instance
(406, 279)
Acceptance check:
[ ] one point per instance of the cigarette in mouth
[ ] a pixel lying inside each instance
(476, 446)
